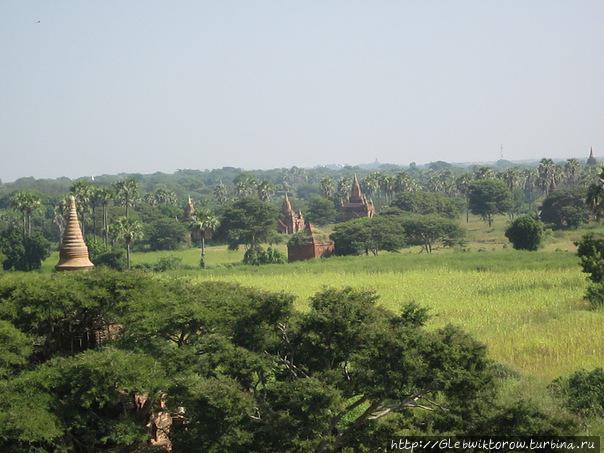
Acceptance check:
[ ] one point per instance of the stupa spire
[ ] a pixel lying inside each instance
(73, 254)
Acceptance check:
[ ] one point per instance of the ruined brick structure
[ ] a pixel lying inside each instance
(358, 205)
(289, 221)
(312, 244)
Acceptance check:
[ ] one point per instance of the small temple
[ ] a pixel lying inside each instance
(591, 160)
(310, 244)
(358, 205)
(73, 254)
(289, 221)
(189, 210)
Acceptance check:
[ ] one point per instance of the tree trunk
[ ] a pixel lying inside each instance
(128, 254)
(203, 245)
(94, 220)
(105, 232)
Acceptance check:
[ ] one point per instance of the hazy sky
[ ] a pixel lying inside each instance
(142, 86)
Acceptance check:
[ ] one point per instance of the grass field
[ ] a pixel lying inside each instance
(527, 307)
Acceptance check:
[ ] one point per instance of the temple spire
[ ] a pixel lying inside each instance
(73, 254)
(286, 206)
(591, 160)
(356, 196)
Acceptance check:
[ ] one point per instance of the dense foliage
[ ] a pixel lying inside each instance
(236, 369)
(564, 209)
(525, 233)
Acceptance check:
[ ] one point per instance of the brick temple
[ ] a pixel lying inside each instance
(312, 244)
(358, 205)
(289, 221)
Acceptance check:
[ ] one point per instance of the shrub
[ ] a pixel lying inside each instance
(256, 256)
(582, 392)
(113, 259)
(525, 233)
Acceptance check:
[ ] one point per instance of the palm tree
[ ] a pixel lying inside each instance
(388, 186)
(60, 213)
(205, 223)
(371, 183)
(484, 173)
(126, 192)
(103, 196)
(344, 186)
(462, 184)
(328, 187)
(548, 175)
(572, 169)
(163, 196)
(245, 186)
(405, 183)
(127, 230)
(27, 203)
(266, 190)
(221, 194)
(511, 177)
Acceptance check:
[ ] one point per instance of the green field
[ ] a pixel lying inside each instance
(527, 307)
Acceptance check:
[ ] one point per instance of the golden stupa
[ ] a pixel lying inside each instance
(73, 254)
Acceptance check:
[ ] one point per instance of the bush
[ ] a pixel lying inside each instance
(113, 259)
(165, 263)
(96, 247)
(256, 256)
(582, 392)
(525, 233)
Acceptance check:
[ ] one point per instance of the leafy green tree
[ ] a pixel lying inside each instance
(249, 222)
(129, 231)
(166, 233)
(525, 233)
(368, 235)
(487, 198)
(23, 253)
(15, 349)
(564, 209)
(431, 230)
(321, 211)
(427, 203)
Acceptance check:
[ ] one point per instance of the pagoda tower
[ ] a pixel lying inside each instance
(289, 222)
(358, 205)
(189, 211)
(73, 254)
(591, 160)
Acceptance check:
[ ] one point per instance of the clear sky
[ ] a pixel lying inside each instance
(111, 86)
